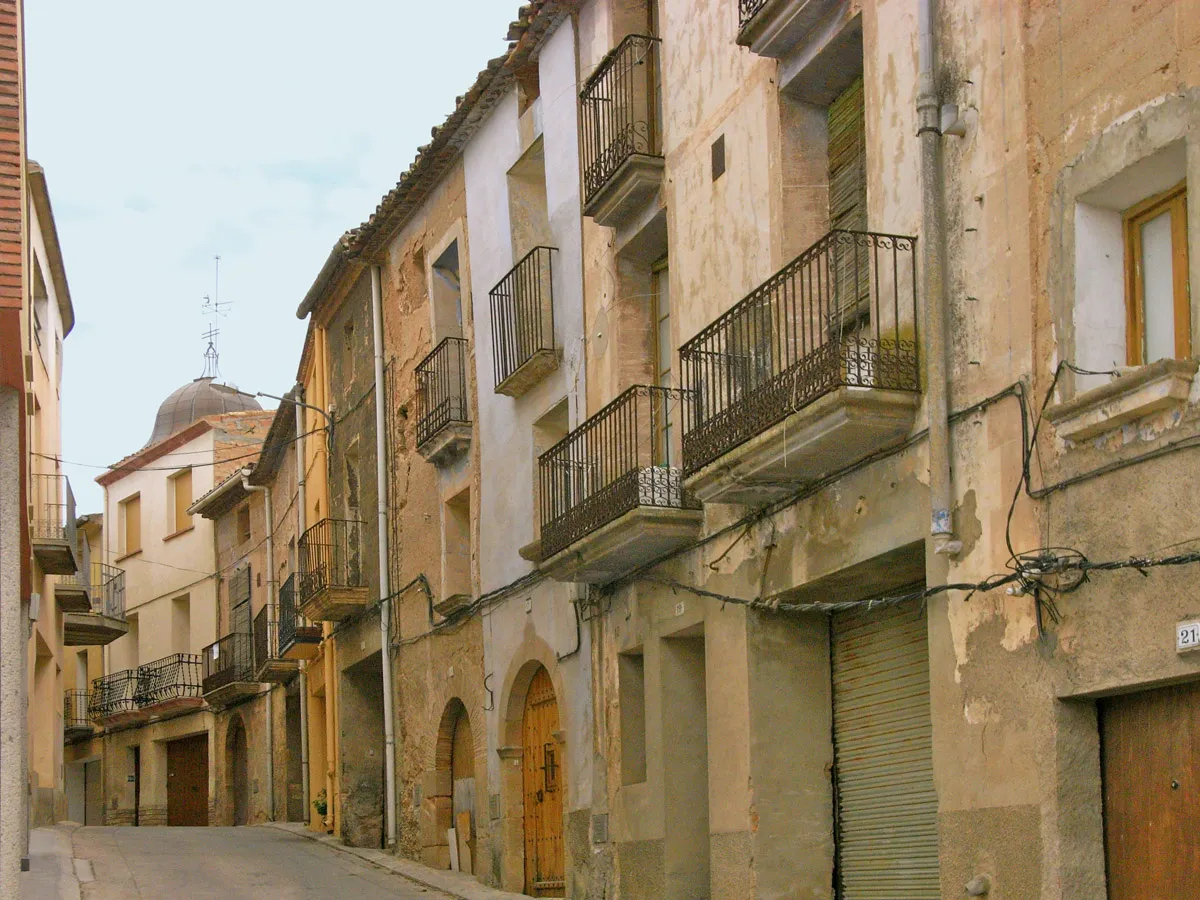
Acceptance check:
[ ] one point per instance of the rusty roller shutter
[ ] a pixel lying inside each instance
(887, 843)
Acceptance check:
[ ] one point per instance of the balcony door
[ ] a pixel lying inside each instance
(662, 415)
(849, 304)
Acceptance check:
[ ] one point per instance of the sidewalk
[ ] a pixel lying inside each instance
(456, 884)
(51, 874)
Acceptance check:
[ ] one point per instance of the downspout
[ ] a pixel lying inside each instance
(266, 492)
(300, 514)
(933, 264)
(385, 606)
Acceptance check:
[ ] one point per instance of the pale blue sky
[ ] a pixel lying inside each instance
(259, 130)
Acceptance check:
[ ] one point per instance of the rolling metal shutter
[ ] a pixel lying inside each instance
(887, 845)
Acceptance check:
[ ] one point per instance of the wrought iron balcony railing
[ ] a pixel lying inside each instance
(105, 585)
(523, 313)
(331, 557)
(293, 627)
(442, 389)
(619, 107)
(266, 634)
(76, 710)
(621, 458)
(174, 677)
(52, 508)
(114, 693)
(842, 314)
(747, 10)
(228, 660)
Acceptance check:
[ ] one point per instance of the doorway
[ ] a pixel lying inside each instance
(137, 785)
(685, 766)
(237, 772)
(187, 781)
(461, 764)
(1150, 767)
(543, 779)
(93, 793)
(362, 765)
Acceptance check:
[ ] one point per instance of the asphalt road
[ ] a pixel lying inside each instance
(229, 864)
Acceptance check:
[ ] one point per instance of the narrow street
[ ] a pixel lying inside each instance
(229, 864)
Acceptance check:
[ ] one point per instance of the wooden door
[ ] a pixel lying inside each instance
(1150, 759)
(187, 781)
(544, 779)
(93, 793)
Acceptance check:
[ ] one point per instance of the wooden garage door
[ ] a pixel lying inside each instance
(544, 778)
(887, 846)
(1150, 757)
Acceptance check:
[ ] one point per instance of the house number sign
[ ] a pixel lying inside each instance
(1187, 636)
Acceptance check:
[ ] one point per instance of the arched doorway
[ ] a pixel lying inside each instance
(459, 764)
(543, 779)
(237, 772)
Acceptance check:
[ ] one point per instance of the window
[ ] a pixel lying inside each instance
(348, 353)
(446, 294)
(1158, 317)
(243, 524)
(181, 624)
(181, 497)
(456, 546)
(631, 677)
(130, 524)
(660, 289)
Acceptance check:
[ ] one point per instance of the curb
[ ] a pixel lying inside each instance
(453, 884)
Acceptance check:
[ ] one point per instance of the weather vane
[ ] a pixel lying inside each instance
(213, 307)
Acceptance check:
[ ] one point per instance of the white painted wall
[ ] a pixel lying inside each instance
(166, 567)
(505, 423)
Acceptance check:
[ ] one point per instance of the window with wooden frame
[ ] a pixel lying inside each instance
(181, 497)
(1158, 317)
(131, 524)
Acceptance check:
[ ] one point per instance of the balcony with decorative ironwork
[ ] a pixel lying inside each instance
(77, 723)
(621, 134)
(102, 621)
(333, 579)
(443, 408)
(270, 665)
(229, 670)
(52, 524)
(170, 686)
(522, 305)
(113, 701)
(813, 371)
(818, 43)
(298, 638)
(611, 492)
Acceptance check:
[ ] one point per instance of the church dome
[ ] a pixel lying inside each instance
(195, 400)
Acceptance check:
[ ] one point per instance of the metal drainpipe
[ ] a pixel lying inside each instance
(266, 492)
(297, 392)
(933, 242)
(385, 623)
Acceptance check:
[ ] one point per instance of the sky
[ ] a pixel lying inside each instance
(256, 130)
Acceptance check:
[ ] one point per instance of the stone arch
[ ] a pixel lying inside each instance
(237, 771)
(533, 656)
(455, 784)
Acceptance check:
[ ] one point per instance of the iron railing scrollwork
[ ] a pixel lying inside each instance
(619, 106)
(114, 693)
(174, 677)
(522, 305)
(228, 660)
(621, 458)
(442, 388)
(76, 705)
(747, 10)
(331, 557)
(842, 314)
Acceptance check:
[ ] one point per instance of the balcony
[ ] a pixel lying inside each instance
(818, 44)
(229, 670)
(103, 621)
(73, 592)
(443, 413)
(76, 723)
(333, 583)
(113, 701)
(298, 638)
(270, 665)
(813, 371)
(612, 494)
(52, 524)
(622, 147)
(523, 323)
(169, 686)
